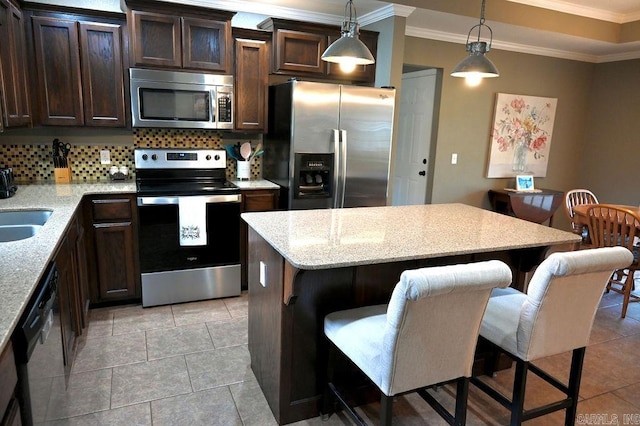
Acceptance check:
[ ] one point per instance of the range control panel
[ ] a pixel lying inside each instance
(159, 158)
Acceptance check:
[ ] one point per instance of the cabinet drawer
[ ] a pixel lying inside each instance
(111, 209)
(256, 201)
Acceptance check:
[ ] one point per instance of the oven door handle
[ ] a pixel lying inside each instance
(209, 199)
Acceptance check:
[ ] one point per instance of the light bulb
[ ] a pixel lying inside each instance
(347, 66)
(473, 79)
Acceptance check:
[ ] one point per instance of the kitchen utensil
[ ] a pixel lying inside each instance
(256, 151)
(231, 152)
(245, 151)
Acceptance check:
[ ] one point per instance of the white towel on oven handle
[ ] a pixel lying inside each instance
(192, 221)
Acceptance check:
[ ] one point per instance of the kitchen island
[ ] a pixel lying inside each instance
(305, 264)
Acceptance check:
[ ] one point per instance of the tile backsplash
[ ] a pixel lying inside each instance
(34, 162)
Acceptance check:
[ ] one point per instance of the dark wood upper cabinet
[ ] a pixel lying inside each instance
(57, 58)
(298, 48)
(252, 73)
(204, 44)
(13, 68)
(102, 74)
(299, 51)
(155, 39)
(80, 71)
(180, 36)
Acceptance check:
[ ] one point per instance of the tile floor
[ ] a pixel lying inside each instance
(188, 364)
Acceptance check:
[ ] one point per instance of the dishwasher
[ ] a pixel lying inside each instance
(39, 350)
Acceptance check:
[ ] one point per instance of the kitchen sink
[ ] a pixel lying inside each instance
(21, 224)
(24, 217)
(17, 232)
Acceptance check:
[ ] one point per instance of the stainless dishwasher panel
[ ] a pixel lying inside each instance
(39, 351)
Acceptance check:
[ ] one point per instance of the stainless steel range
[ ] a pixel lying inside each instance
(189, 231)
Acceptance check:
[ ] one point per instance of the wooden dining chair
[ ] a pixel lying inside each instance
(573, 198)
(616, 226)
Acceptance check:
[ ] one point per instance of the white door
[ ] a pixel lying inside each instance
(414, 137)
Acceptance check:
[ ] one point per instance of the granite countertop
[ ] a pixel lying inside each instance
(331, 238)
(255, 184)
(23, 262)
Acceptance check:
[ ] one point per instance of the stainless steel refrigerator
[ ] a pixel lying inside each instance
(329, 145)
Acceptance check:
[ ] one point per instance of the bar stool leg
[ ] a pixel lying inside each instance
(577, 361)
(519, 387)
(386, 405)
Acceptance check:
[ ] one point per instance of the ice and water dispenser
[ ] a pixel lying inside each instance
(313, 176)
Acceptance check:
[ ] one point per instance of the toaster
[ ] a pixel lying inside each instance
(7, 187)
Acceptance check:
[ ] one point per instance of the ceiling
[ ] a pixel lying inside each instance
(586, 30)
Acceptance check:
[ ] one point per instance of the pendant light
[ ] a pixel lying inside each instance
(477, 66)
(348, 50)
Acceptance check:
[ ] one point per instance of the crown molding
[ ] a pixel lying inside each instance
(496, 44)
(268, 10)
(386, 12)
(587, 12)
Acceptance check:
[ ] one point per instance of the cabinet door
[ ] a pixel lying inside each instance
(204, 44)
(156, 39)
(114, 248)
(82, 277)
(299, 51)
(102, 74)
(58, 67)
(251, 84)
(66, 300)
(13, 69)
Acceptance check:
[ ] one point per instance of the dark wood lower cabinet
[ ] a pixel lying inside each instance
(112, 248)
(116, 272)
(68, 298)
(9, 405)
(258, 200)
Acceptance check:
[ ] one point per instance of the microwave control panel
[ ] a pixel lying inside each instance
(224, 108)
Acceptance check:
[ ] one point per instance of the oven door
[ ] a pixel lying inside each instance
(172, 273)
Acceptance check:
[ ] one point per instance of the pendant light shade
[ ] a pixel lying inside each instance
(477, 66)
(348, 50)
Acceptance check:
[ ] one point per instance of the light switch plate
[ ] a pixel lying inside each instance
(263, 274)
(454, 158)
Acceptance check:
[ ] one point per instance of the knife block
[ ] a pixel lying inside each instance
(62, 174)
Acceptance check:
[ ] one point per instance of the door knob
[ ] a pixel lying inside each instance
(422, 173)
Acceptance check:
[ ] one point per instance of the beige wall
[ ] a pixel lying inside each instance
(611, 153)
(466, 116)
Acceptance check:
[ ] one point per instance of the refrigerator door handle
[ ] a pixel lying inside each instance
(343, 165)
(336, 168)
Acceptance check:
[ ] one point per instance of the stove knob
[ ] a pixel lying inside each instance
(145, 157)
(154, 157)
(217, 157)
(208, 157)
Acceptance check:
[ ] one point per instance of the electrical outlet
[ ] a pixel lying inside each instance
(105, 156)
(454, 158)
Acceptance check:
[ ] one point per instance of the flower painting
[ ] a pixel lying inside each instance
(521, 135)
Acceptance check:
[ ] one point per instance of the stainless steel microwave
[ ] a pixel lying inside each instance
(181, 99)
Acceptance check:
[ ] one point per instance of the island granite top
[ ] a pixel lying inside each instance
(23, 262)
(332, 238)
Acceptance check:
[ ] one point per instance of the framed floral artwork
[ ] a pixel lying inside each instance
(521, 135)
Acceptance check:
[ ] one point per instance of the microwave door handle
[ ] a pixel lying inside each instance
(213, 113)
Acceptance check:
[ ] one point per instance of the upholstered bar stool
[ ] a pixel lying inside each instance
(425, 336)
(554, 316)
